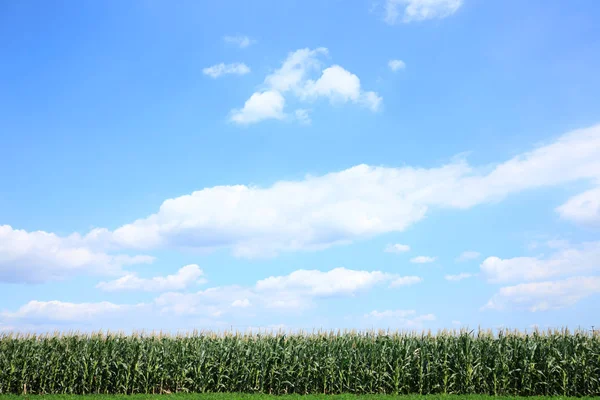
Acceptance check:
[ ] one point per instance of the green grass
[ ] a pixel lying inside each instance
(557, 363)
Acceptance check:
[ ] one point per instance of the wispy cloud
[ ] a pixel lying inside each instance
(397, 248)
(295, 292)
(302, 116)
(419, 10)
(43, 311)
(396, 65)
(543, 296)
(226, 69)
(241, 41)
(406, 281)
(422, 259)
(458, 277)
(566, 261)
(583, 208)
(186, 276)
(468, 255)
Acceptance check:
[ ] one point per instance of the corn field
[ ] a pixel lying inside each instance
(505, 363)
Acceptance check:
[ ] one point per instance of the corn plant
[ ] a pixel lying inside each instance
(451, 362)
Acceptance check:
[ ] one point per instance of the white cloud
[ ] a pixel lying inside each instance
(339, 86)
(294, 71)
(335, 83)
(302, 116)
(221, 69)
(241, 303)
(468, 255)
(239, 40)
(422, 260)
(319, 283)
(359, 202)
(211, 302)
(583, 209)
(566, 261)
(186, 276)
(455, 322)
(34, 257)
(310, 214)
(293, 292)
(40, 311)
(406, 281)
(419, 10)
(260, 106)
(458, 277)
(371, 100)
(397, 248)
(396, 65)
(294, 78)
(543, 296)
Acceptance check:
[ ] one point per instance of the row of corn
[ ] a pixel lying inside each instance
(482, 362)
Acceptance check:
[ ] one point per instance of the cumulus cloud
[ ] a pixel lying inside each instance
(221, 69)
(419, 10)
(186, 276)
(543, 296)
(340, 207)
(241, 41)
(35, 257)
(313, 213)
(583, 208)
(260, 106)
(422, 260)
(458, 277)
(566, 261)
(339, 86)
(468, 255)
(397, 248)
(293, 78)
(396, 65)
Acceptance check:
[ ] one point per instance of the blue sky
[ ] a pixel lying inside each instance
(403, 164)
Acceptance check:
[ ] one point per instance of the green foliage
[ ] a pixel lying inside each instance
(259, 396)
(557, 363)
